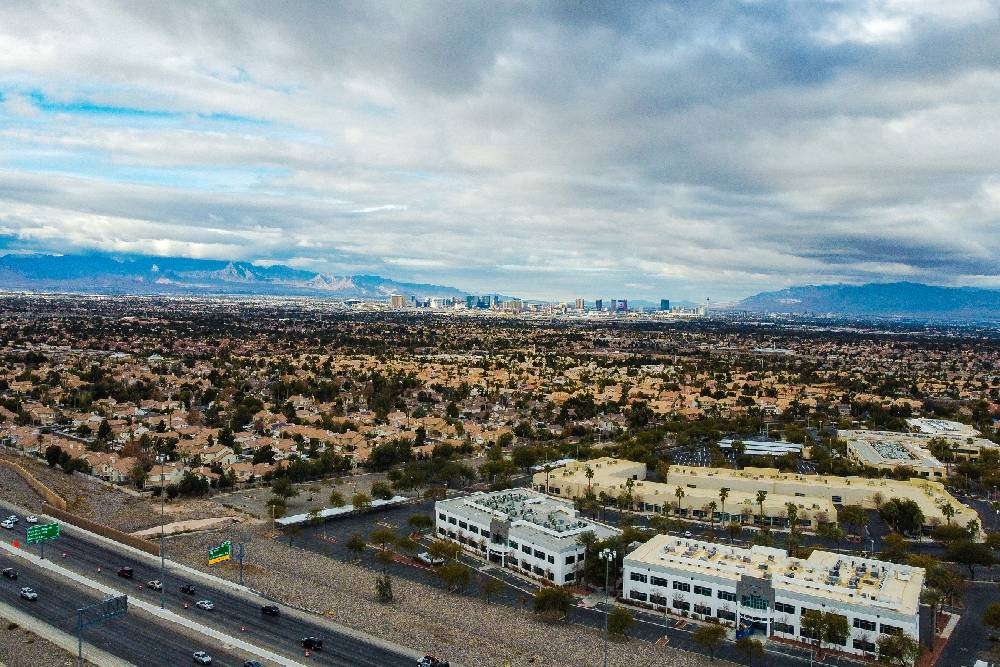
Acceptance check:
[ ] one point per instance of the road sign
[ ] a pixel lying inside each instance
(97, 613)
(220, 553)
(42, 532)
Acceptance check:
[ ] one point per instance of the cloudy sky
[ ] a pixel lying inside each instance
(684, 150)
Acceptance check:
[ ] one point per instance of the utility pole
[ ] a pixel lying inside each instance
(163, 569)
(607, 555)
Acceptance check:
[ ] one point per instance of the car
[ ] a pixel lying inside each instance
(126, 572)
(252, 663)
(155, 585)
(9, 572)
(687, 533)
(270, 610)
(31, 518)
(8, 524)
(188, 589)
(202, 658)
(13, 518)
(427, 559)
(312, 643)
(207, 605)
(29, 594)
(431, 661)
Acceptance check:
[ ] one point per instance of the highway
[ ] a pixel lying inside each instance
(136, 637)
(234, 613)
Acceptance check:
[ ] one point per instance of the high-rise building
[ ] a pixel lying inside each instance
(470, 302)
(580, 303)
(621, 305)
(599, 305)
(397, 301)
(664, 304)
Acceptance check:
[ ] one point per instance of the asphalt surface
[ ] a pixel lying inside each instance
(135, 637)
(233, 614)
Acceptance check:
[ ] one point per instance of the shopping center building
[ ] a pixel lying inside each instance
(765, 589)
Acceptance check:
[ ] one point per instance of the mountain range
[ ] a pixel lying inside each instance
(139, 274)
(901, 299)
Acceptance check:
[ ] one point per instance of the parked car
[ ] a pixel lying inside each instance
(426, 558)
(270, 610)
(202, 658)
(207, 605)
(188, 589)
(29, 594)
(126, 572)
(9, 572)
(312, 643)
(155, 585)
(431, 661)
(31, 518)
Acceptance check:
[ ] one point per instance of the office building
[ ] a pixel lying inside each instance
(599, 305)
(664, 304)
(764, 589)
(887, 450)
(521, 529)
(580, 304)
(397, 301)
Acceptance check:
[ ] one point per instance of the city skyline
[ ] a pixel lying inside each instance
(651, 150)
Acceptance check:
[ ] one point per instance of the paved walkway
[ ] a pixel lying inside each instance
(185, 526)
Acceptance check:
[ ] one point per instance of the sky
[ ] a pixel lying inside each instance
(682, 150)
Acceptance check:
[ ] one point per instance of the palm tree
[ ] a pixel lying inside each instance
(663, 470)
(712, 506)
(933, 598)
(948, 512)
(548, 472)
(761, 495)
(589, 474)
(679, 492)
(723, 494)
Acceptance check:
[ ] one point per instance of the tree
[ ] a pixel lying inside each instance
(455, 576)
(383, 588)
(361, 501)
(53, 455)
(948, 510)
(382, 490)
(552, 602)
(749, 648)
(761, 497)
(384, 537)
(933, 598)
(901, 649)
(991, 617)
(444, 550)
(336, 499)
(490, 588)
(356, 545)
(709, 637)
(420, 522)
(904, 515)
(263, 454)
(853, 517)
(679, 492)
(282, 487)
(104, 431)
(734, 529)
(723, 496)
(970, 554)
(619, 621)
(589, 474)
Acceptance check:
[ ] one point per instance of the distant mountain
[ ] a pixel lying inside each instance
(141, 274)
(912, 300)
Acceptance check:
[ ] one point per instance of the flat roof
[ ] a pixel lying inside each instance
(847, 579)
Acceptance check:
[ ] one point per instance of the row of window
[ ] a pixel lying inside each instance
(514, 545)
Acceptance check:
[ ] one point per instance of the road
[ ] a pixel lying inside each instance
(234, 613)
(136, 637)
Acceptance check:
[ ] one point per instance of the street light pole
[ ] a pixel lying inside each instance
(163, 583)
(607, 555)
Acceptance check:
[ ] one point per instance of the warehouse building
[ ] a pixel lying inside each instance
(521, 529)
(766, 590)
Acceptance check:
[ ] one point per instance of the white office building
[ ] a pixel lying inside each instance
(521, 529)
(766, 589)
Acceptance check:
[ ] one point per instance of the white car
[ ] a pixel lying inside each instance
(31, 518)
(155, 584)
(207, 605)
(29, 594)
(202, 658)
(426, 558)
(13, 518)
(8, 524)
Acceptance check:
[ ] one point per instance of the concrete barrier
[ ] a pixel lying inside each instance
(102, 530)
(51, 497)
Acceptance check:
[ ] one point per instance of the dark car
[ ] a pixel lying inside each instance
(188, 588)
(10, 573)
(270, 610)
(126, 572)
(312, 643)
(431, 661)
(252, 663)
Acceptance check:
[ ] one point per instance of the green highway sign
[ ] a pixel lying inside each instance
(220, 553)
(42, 532)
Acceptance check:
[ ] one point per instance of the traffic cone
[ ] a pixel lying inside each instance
(185, 605)
(243, 628)
(98, 570)
(64, 554)
(307, 653)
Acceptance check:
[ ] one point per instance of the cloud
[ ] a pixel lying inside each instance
(648, 148)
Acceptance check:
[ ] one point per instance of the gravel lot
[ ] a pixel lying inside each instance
(424, 618)
(312, 495)
(23, 648)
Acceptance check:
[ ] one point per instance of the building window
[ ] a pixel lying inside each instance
(452, 520)
(473, 529)
(660, 581)
(784, 627)
(512, 544)
(865, 645)
(836, 499)
(890, 629)
(726, 615)
(637, 576)
(784, 608)
(636, 595)
(863, 624)
(486, 533)
(441, 531)
(681, 604)
(442, 516)
(570, 560)
(658, 599)
(552, 559)
(753, 602)
(702, 590)
(726, 595)
(703, 609)
(462, 524)
(526, 549)
(805, 632)
(537, 570)
(570, 576)
(682, 586)
(539, 554)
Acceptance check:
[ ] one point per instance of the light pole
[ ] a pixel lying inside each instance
(607, 555)
(163, 583)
